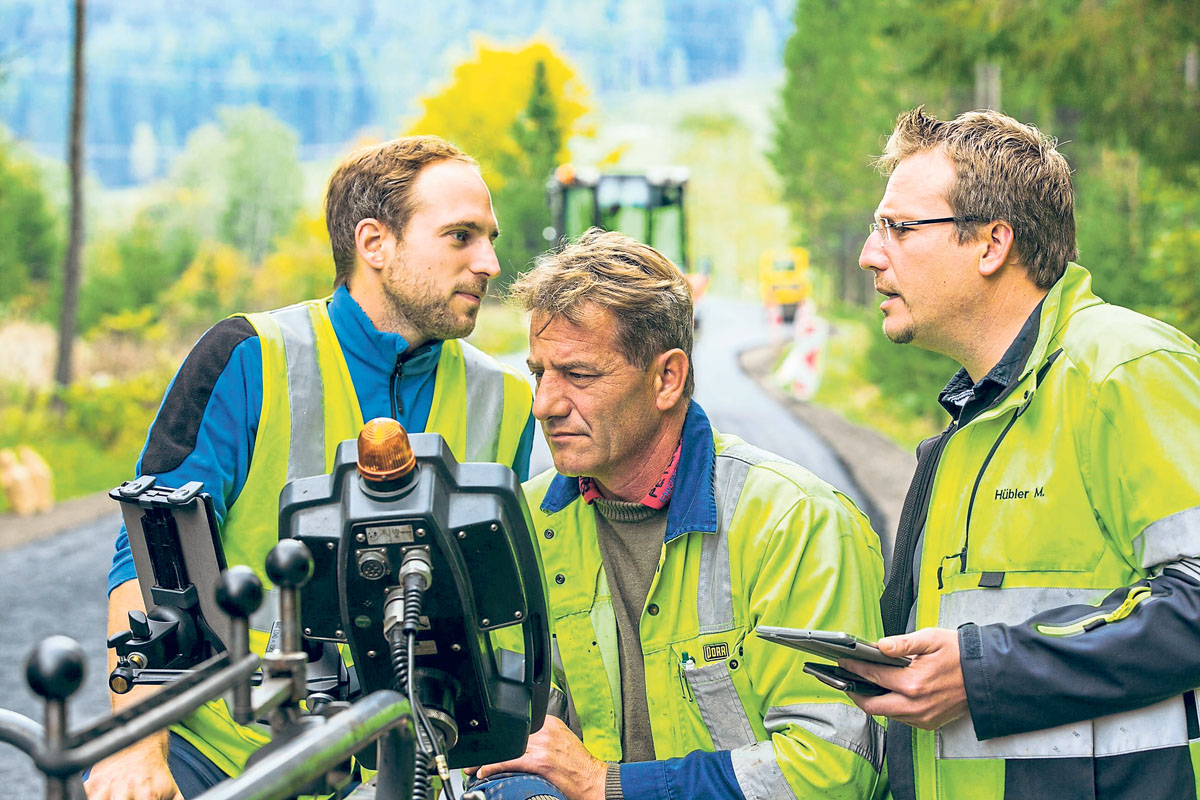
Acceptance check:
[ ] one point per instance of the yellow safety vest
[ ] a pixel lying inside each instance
(309, 406)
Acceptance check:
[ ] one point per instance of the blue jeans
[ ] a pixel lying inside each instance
(516, 786)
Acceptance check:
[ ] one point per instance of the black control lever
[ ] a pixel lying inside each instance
(164, 639)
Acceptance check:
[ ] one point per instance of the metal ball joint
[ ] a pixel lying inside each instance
(289, 564)
(239, 592)
(55, 667)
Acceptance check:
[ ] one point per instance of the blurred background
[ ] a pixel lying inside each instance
(208, 130)
(735, 135)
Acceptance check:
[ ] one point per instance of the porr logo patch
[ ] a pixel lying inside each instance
(716, 652)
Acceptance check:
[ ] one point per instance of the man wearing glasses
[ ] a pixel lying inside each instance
(1046, 581)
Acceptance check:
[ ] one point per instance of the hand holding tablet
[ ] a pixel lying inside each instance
(833, 645)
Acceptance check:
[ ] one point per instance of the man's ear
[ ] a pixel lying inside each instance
(997, 237)
(670, 377)
(374, 243)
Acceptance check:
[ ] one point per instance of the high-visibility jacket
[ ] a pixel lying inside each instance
(751, 539)
(1062, 530)
(309, 406)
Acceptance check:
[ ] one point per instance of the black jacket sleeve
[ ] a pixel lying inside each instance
(1020, 678)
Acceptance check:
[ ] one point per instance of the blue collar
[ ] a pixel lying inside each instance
(359, 335)
(693, 506)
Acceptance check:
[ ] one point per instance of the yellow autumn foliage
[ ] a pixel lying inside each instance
(301, 266)
(486, 96)
(212, 286)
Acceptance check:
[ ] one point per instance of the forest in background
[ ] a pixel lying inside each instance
(237, 224)
(233, 220)
(329, 71)
(1116, 82)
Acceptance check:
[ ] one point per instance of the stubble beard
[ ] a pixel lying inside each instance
(903, 336)
(416, 307)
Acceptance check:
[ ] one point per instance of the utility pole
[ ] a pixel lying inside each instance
(70, 294)
(987, 84)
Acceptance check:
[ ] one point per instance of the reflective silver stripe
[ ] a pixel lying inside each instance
(714, 589)
(1170, 539)
(1188, 566)
(758, 773)
(844, 725)
(485, 404)
(306, 396)
(957, 740)
(1160, 725)
(1152, 727)
(719, 706)
(1010, 606)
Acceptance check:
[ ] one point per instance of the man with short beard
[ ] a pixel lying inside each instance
(412, 229)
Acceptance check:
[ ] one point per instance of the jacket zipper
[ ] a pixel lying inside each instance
(962, 554)
(397, 403)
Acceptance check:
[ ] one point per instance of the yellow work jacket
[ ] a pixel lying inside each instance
(751, 539)
(1049, 517)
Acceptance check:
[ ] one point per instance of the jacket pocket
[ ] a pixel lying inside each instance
(718, 703)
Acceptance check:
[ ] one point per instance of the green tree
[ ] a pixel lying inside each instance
(129, 269)
(513, 111)
(840, 95)
(521, 200)
(244, 179)
(1120, 74)
(30, 231)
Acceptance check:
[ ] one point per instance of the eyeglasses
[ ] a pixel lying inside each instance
(884, 225)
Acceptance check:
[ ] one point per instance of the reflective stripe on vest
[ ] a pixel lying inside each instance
(485, 402)
(714, 589)
(306, 393)
(1169, 539)
(306, 401)
(1160, 725)
(837, 723)
(717, 699)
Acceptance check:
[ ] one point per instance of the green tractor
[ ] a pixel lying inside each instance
(647, 206)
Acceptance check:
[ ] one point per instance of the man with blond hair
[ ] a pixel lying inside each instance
(1046, 582)
(665, 543)
(266, 398)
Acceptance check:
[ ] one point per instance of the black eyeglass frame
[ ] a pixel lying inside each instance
(912, 223)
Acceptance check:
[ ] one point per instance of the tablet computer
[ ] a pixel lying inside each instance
(843, 680)
(829, 644)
